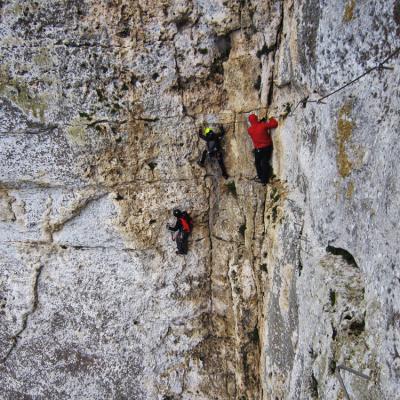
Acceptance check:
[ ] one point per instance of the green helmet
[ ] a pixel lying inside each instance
(207, 131)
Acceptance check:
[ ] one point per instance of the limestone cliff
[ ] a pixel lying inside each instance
(100, 106)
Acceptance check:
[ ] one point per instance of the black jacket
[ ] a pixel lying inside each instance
(213, 141)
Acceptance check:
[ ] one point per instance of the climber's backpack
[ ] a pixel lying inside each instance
(186, 222)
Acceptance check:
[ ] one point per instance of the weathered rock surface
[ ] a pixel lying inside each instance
(100, 105)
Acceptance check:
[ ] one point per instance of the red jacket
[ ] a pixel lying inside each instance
(259, 131)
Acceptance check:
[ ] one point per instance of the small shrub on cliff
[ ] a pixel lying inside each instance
(232, 188)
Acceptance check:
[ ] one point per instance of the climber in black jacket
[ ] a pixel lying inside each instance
(184, 227)
(214, 149)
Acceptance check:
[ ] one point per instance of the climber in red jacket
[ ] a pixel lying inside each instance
(259, 132)
(183, 227)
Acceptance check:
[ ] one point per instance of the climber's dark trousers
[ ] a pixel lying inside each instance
(218, 156)
(182, 242)
(203, 157)
(263, 163)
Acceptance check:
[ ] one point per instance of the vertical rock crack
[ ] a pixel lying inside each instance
(26, 316)
(276, 47)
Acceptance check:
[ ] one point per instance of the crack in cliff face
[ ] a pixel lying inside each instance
(66, 246)
(257, 262)
(25, 317)
(7, 212)
(275, 50)
(210, 239)
(55, 226)
(179, 82)
(26, 185)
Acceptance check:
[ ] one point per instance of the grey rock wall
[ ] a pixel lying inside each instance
(339, 157)
(100, 105)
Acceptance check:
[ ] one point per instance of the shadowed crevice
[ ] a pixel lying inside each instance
(337, 251)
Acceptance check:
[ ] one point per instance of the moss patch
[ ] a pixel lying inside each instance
(345, 128)
(350, 190)
(77, 130)
(18, 92)
(274, 206)
(348, 14)
(42, 58)
(231, 187)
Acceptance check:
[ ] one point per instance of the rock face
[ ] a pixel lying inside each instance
(100, 106)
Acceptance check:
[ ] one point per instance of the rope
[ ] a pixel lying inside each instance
(198, 116)
(380, 67)
(303, 102)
